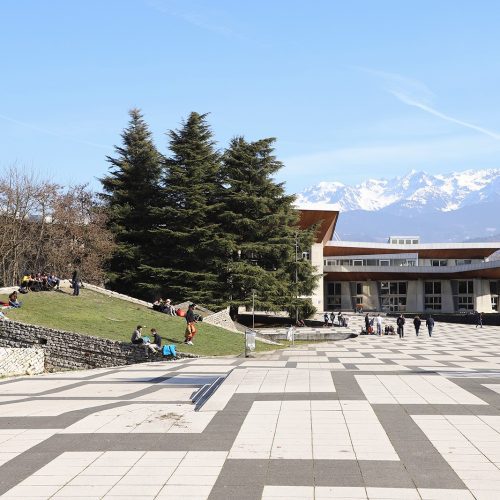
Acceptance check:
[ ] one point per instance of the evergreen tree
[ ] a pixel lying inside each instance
(260, 228)
(187, 240)
(133, 197)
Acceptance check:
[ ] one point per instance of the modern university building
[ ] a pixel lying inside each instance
(401, 275)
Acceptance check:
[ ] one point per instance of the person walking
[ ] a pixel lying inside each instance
(75, 282)
(401, 326)
(367, 323)
(416, 323)
(429, 322)
(379, 324)
(190, 326)
(479, 319)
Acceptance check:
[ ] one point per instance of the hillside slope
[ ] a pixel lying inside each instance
(95, 314)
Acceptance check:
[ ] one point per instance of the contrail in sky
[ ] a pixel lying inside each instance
(435, 112)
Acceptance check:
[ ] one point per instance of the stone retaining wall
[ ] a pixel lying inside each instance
(222, 320)
(70, 351)
(21, 361)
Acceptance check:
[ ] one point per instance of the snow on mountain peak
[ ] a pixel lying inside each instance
(417, 190)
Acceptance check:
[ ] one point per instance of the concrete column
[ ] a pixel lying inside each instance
(482, 296)
(346, 299)
(415, 296)
(447, 304)
(370, 296)
(318, 295)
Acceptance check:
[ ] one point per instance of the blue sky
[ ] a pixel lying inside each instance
(350, 89)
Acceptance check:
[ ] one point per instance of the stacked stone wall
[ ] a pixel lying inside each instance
(222, 320)
(28, 361)
(71, 351)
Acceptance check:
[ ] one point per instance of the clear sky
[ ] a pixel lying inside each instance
(351, 89)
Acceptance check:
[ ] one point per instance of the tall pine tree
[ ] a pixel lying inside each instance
(187, 239)
(133, 197)
(260, 228)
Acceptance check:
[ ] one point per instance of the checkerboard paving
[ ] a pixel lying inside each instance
(365, 418)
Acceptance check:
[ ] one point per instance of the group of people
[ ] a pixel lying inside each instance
(153, 344)
(329, 319)
(400, 323)
(39, 282)
(164, 306)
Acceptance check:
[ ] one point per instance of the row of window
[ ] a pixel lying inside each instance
(393, 295)
(390, 262)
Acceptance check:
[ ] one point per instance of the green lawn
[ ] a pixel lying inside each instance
(95, 314)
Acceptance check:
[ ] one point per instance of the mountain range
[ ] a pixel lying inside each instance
(459, 206)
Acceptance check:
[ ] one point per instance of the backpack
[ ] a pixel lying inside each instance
(169, 350)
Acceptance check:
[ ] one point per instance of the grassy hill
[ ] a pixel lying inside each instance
(96, 314)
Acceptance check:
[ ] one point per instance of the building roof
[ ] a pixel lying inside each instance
(424, 250)
(486, 270)
(327, 220)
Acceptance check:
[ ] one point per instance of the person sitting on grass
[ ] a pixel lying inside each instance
(168, 308)
(25, 283)
(53, 281)
(190, 326)
(158, 305)
(150, 346)
(137, 336)
(156, 338)
(13, 302)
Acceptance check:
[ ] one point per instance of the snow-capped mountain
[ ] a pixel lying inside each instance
(417, 190)
(449, 207)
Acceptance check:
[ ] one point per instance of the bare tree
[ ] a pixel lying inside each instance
(47, 227)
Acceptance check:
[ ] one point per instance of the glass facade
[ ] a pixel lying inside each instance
(432, 296)
(393, 296)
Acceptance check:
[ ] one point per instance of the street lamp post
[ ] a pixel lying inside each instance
(253, 308)
(296, 278)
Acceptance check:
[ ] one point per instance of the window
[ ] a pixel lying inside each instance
(359, 288)
(357, 262)
(384, 262)
(432, 298)
(415, 242)
(495, 292)
(462, 262)
(393, 295)
(439, 263)
(359, 301)
(333, 291)
(465, 287)
(408, 242)
(334, 288)
(401, 242)
(433, 303)
(465, 302)
(432, 288)
(333, 302)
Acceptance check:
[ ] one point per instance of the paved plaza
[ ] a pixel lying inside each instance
(366, 418)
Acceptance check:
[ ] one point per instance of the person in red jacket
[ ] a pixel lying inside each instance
(191, 325)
